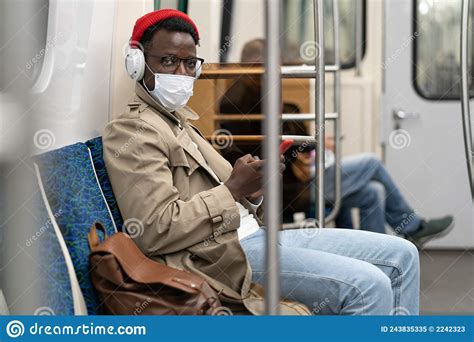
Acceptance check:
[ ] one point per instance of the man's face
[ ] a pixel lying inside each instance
(167, 43)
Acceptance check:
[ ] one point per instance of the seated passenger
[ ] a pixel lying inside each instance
(366, 184)
(201, 215)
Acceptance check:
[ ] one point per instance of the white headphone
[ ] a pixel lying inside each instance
(135, 64)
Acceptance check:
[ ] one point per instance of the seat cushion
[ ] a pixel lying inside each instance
(95, 146)
(55, 283)
(60, 291)
(72, 189)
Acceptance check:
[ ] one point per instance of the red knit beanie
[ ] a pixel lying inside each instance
(153, 18)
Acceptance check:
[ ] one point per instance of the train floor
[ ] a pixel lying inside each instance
(447, 282)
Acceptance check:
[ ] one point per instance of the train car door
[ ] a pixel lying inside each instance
(421, 112)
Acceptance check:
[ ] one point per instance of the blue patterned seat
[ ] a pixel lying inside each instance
(95, 146)
(72, 190)
(60, 294)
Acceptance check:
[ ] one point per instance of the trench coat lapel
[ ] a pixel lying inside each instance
(215, 161)
(185, 139)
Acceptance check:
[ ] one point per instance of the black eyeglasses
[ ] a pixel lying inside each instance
(171, 63)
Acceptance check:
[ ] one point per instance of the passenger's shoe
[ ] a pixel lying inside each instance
(434, 228)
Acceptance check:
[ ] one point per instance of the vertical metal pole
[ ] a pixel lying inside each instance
(320, 109)
(358, 38)
(272, 124)
(337, 110)
(466, 112)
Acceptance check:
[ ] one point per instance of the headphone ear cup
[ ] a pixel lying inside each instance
(135, 64)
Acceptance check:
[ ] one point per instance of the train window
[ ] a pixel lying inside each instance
(437, 25)
(299, 32)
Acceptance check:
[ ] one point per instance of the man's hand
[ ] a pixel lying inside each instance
(253, 198)
(246, 177)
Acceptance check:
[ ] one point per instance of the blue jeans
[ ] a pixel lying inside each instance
(367, 185)
(341, 271)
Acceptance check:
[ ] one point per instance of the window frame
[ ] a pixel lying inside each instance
(414, 63)
(365, 21)
(352, 63)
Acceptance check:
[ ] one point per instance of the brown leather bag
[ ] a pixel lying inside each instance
(129, 283)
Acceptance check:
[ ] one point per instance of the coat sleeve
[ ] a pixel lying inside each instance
(138, 164)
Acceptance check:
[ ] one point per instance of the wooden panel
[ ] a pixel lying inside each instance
(204, 103)
(297, 92)
(207, 94)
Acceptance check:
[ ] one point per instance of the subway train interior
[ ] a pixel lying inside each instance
(350, 119)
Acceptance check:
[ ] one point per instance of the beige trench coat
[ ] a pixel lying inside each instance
(181, 215)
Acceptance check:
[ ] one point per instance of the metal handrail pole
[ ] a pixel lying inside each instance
(358, 33)
(337, 122)
(272, 124)
(466, 110)
(320, 110)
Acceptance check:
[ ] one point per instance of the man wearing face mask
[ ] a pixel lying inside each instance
(198, 213)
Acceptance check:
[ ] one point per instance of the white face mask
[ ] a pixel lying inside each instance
(172, 91)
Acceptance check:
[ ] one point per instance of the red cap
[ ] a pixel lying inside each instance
(150, 19)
